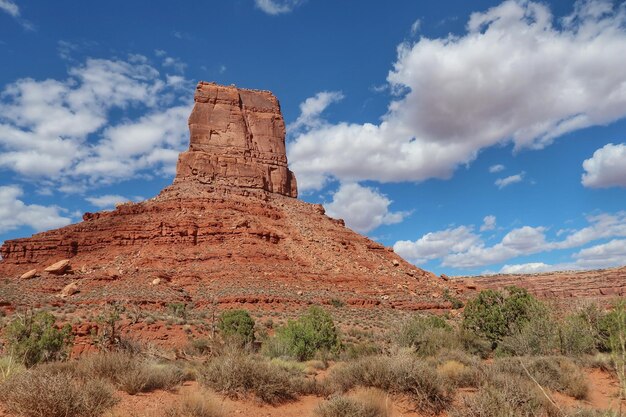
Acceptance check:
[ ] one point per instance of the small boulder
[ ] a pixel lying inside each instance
(30, 274)
(445, 277)
(156, 281)
(396, 262)
(58, 268)
(69, 289)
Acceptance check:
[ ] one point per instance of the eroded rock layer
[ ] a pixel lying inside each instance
(603, 284)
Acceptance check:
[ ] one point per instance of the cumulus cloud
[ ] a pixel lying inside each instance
(604, 255)
(109, 200)
(608, 254)
(496, 168)
(521, 241)
(460, 94)
(14, 213)
(61, 131)
(276, 7)
(312, 108)
(606, 168)
(437, 244)
(362, 208)
(489, 223)
(503, 182)
(471, 250)
(527, 268)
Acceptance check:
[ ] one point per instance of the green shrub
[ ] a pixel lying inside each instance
(538, 335)
(46, 393)
(494, 314)
(237, 324)
(33, 338)
(577, 336)
(312, 332)
(427, 335)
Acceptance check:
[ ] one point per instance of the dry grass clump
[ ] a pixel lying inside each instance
(506, 396)
(237, 373)
(44, 393)
(402, 374)
(368, 402)
(130, 373)
(8, 367)
(554, 372)
(459, 368)
(199, 404)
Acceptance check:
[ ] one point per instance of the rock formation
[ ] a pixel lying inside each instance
(603, 284)
(228, 230)
(237, 140)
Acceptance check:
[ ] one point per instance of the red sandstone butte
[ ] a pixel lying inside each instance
(229, 230)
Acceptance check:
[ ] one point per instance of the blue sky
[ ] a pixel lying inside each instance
(473, 137)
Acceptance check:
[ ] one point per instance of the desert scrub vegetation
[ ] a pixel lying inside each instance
(557, 373)
(427, 335)
(238, 373)
(45, 392)
(313, 332)
(496, 314)
(403, 373)
(198, 404)
(130, 373)
(369, 402)
(33, 337)
(238, 325)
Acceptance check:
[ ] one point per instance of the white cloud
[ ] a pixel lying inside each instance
(362, 208)
(53, 130)
(276, 7)
(10, 7)
(415, 27)
(437, 244)
(503, 182)
(466, 93)
(496, 168)
(605, 255)
(489, 223)
(528, 268)
(107, 200)
(312, 108)
(606, 168)
(14, 213)
(601, 226)
(522, 241)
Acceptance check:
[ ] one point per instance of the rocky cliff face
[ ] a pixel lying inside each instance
(237, 141)
(227, 230)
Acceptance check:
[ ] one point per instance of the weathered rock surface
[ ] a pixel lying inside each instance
(58, 268)
(228, 230)
(566, 285)
(237, 140)
(29, 274)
